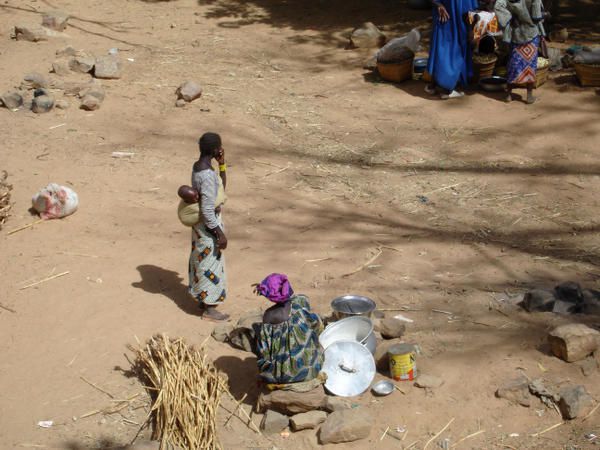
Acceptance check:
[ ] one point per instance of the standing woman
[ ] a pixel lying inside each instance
(450, 63)
(523, 29)
(207, 281)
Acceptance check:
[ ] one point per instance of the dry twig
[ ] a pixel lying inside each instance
(45, 279)
(438, 434)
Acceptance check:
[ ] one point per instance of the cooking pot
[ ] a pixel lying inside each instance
(358, 329)
(352, 305)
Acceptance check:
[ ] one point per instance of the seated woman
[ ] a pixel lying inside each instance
(288, 348)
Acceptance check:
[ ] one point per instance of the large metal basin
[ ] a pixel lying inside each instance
(358, 329)
(352, 305)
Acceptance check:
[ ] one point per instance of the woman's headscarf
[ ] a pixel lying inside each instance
(276, 287)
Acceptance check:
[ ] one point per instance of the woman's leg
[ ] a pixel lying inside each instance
(530, 98)
(509, 89)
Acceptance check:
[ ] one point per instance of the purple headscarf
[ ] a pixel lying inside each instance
(276, 288)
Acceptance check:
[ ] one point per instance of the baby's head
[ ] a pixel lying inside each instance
(188, 194)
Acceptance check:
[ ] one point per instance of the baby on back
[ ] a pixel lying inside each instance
(188, 210)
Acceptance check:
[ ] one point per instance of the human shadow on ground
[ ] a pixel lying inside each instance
(243, 376)
(156, 280)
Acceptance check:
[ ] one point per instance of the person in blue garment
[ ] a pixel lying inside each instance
(450, 63)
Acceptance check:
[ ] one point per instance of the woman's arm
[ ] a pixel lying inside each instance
(222, 167)
(209, 186)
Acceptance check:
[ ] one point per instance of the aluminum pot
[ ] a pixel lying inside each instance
(352, 305)
(358, 329)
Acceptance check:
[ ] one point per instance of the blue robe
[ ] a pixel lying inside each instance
(450, 62)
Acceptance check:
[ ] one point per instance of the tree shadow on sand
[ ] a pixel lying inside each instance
(157, 280)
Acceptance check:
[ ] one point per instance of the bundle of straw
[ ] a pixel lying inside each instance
(185, 389)
(5, 204)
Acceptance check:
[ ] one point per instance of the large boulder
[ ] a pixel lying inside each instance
(108, 67)
(189, 91)
(346, 426)
(573, 342)
(290, 403)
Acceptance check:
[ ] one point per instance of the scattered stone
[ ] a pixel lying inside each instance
(336, 404)
(31, 33)
(273, 422)
(82, 62)
(42, 104)
(346, 426)
(61, 67)
(12, 100)
(562, 307)
(90, 103)
(108, 67)
(428, 381)
(93, 89)
(382, 360)
(39, 92)
(573, 342)
(392, 328)
(548, 396)
(538, 300)
(180, 103)
(62, 104)
(591, 302)
(34, 80)
(307, 420)
(588, 365)
(367, 36)
(574, 401)
(516, 391)
(67, 51)
(243, 336)
(189, 91)
(55, 20)
(221, 332)
(289, 402)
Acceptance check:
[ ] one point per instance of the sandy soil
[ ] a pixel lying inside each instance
(326, 166)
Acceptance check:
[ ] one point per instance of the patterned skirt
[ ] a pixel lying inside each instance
(207, 281)
(289, 352)
(522, 64)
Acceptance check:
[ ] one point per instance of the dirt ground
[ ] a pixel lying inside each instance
(470, 202)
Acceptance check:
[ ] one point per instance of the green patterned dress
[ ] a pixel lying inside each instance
(289, 352)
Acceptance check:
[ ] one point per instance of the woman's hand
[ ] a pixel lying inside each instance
(221, 240)
(443, 14)
(220, 156)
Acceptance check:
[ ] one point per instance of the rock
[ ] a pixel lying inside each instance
(12, 100)
(221, 332)
(346, 426)
(382, 359)
(82, 62)
(180, 103)
(307, 420)
(591, 302)
(367, 36)
(588, 365)
(31, 33)
(243, 336)
(569, 292)
(392, 328)
(93, 89)
(108, 67)
(289, 402)
(62, 104)
(573, 342)
(428, 381)
(273, 422)
(34, 80)
(39, 92)
(42, 104)
(61, 67)
(538, 388)
(538, 300)
(55, 20)
(189, 91)
(336, 404)
(562, 307)
(67, 51)
(516, 391)
(574, 401)
(90, 103)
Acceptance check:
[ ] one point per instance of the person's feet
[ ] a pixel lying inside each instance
(211, 313)
(508, 98)
(530, 98)
(453, 94)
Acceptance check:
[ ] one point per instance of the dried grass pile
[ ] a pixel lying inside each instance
(5, 205)
(185, 389)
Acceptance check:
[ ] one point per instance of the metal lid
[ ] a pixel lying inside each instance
(350, 368)
(355, 328)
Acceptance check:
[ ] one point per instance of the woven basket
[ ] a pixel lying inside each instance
(588, 74)
(483, 70)
(396, 72)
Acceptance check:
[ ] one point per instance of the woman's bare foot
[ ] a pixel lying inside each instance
(530, 98)
(211, 313)
(508, 98)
